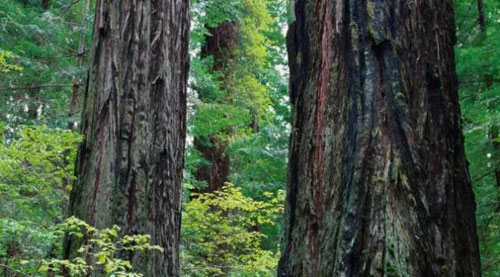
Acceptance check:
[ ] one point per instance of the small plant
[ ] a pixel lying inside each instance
(102, 247)
(221, 234)
(100, 253)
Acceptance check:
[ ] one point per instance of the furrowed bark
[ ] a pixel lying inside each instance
(378, 183)
(129, 166)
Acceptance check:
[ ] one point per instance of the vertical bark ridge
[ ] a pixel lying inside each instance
(324, 10)
(130, 163)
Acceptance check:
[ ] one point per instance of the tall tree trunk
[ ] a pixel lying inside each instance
(220, 44)
(378, 182)
(480, 17)
(79, 62)
(129, 166)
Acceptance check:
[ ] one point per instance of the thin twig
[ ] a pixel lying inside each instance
(15, 270)
(479, 178)
(478, 81)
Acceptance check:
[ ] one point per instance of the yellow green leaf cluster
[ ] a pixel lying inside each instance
(221, 234)
(4, 65)
(100, 252)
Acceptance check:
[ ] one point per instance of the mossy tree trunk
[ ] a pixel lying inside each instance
(378, 180)
(129, 166)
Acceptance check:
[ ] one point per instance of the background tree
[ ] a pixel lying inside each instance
(44, 42)
(239, 123)
(478, 52)
(378, 180)
(232, 53)
(220, 45)
(129, 165)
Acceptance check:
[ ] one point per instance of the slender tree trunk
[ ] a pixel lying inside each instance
(79, 62)
(129, 166)
(480, 17)
(493, 135)
(378, 182)
(220, 44)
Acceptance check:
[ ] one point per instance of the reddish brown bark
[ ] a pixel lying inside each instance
(129, 166)
(378, 183)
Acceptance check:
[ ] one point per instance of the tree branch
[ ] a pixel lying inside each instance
(479, 178)
(37, 86)
(15, 270)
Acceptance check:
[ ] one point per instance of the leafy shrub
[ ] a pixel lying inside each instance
(221, 234)
(99, 254)
(36, 170)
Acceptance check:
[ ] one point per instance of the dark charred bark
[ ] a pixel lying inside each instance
(378, 182)
(129, 166)
(220, 45)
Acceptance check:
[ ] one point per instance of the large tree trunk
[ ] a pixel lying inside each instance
(220, 44)
(129, 167)
(378, 181)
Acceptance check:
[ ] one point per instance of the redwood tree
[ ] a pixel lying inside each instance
(220, 44)
(130, 163)
(378, 180)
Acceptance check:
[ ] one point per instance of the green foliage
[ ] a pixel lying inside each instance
(259, 163)
(36, 170)
(219, 119)
(44, 43)
(221, 236)
(102, 248)
(242, 80)
(235, 231)
(252, 95)
(206, 83)
(244, 104)
(4, 66)
(479, 76)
